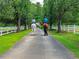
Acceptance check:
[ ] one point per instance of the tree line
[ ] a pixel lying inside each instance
(18, 12)
(21, 12)
(61, 12)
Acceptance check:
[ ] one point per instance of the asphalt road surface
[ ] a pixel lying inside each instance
(37, 46)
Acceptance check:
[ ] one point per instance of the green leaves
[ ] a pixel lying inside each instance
(61, 7)
(8, 9)
(61, 11)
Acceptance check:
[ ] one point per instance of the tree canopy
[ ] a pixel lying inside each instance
(61, 11)
(21, 12)
(17, 12)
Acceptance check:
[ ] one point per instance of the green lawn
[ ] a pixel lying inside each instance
(70, 41)
(8, 41)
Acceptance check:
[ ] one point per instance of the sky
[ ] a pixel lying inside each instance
(34, 1)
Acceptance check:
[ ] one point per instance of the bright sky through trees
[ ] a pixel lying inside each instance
(34, 1)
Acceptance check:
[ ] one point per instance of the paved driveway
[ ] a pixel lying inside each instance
(37, 46)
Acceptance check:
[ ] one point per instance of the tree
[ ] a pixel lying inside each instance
(25, 4)
(6, 11)
(58, 8)
(14, 11)
(21, 12)
(38, 11)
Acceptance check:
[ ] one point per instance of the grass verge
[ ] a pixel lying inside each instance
(70, 41)
(8, 41)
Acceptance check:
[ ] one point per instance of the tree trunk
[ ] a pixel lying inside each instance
(51, 26)
(59, 24)
(25, 26)
(18, 24)
(50, 20)
(25, 23)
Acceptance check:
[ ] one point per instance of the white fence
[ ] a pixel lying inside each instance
(8, 30)
(68, 28)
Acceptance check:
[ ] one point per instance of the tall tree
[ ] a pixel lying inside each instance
(14, 11)
(58, 8)
(38, 11)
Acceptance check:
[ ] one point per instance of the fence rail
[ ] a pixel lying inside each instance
(8, 30)
(68, 28)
